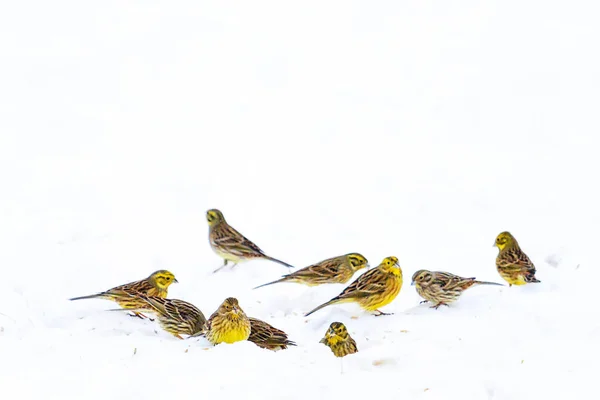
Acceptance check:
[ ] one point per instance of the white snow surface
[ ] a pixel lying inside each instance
(419, 129)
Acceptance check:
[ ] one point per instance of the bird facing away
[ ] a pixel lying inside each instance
(268, 337)
(228, 324)
(230, 244)
(156, 285)
(442, 288)
(512, 263)
(339, 340)
(373, 289)
(333, 270)
(177, 317)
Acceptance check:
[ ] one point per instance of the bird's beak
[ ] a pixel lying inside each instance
(412, 283)
(368, 266)
(175, 280)
(324, 340)
(494, 245)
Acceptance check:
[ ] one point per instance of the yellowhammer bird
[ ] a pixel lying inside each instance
(268, 337)
(155, 285)
(177, 317)
(230, 244)
(512, 263)
(333, 270)
(442, 288)
(228, 324)
(373, 289)
(339, 340)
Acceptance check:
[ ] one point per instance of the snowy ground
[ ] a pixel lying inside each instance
(419, 129)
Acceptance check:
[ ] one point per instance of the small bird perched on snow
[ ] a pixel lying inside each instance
(373, 289)
(442, 288)
(339, 340)
(230, 244)
(512, 263)
(228, 324)
(175, 316)
(157, 284)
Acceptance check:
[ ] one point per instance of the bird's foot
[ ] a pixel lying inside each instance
(380, 313)
(436, 306)
(138, 315)
(424, 301)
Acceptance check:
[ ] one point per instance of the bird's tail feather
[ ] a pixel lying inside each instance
(270, 283)
(279, 262)
(488, 283)
(91, 296)
(330, 302)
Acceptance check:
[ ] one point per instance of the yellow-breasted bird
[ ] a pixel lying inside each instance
(339, 340)
(442, 288)
(512, 263)
(177, 317)
(268, 337)
(156, 285)
(230, 244)
(373, 289)
(228, 324)
(333, 270)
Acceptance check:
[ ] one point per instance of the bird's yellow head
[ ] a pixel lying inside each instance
(231, 308)
(357, 261)
(422, 277)
(390, 265)
(162, 279)
(214, 217)
(337, 332)
(505, 240)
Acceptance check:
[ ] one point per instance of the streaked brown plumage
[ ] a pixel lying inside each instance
(177, 317)
(512, 263)
(339, 340)
(442, 288)
(230, 244)
(333, 270)
(268, 337)
(373, 289)
(155, 285)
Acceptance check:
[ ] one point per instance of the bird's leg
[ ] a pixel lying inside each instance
(436, 306)
(233, 266)
(382, 313)
(178, 336)
(138, 314)
(224, 264)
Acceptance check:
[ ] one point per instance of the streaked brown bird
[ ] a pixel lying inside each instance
(512, 263)
(443, 288)
(373, 289)
(175, 316)
(333, 270)
(155, 285)
(339, 340)
(230, 244)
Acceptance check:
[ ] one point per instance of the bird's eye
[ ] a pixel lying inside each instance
(168, 278)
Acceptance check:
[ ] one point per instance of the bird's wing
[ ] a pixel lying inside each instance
(448, 281)
(235, 243)
(368, 284)
(515, 259)
(321, 271)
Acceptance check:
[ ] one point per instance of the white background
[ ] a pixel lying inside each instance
(419, 129)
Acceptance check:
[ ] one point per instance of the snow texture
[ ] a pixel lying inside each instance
(419, 129)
